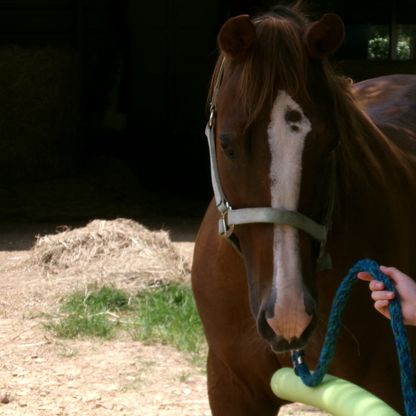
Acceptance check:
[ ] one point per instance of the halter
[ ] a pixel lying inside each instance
(230, 218)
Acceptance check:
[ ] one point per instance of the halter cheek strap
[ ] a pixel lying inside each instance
(230, 217)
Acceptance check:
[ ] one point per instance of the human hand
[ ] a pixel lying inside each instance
(405, 286)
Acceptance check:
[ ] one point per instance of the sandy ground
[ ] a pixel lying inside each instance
(42, 375)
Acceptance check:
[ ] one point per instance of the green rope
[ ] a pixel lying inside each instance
(399, 331)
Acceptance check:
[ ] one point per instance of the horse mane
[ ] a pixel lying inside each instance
(280, 45)
(365, 151)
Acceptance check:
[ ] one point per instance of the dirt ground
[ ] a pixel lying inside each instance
(42, 375)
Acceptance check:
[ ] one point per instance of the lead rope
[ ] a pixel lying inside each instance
(399, 331)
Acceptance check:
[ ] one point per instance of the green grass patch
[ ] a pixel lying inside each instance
(165, 314)
(95, 314)
(168, 315)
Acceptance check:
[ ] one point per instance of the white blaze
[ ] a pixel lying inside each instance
(287, 132)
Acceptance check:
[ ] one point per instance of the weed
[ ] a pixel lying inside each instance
(68, 352)
(88, 315)
(134, 384)
(168, 315)
(165, 314)
(148, 363)
(182, 377)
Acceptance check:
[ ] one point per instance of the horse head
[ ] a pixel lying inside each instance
(274, 128)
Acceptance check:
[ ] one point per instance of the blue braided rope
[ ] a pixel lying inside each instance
(399, 331)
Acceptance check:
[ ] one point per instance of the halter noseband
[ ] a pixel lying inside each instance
(230, 218)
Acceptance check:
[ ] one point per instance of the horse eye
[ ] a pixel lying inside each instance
(227, 149)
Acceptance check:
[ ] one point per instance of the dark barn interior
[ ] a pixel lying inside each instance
(103, 102)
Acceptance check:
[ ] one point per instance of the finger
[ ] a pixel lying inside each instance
(382, 307)
(365, 276)
(376, 285)
(394, 274)
(382, 295)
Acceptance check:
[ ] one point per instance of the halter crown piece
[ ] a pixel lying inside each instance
(230, 218)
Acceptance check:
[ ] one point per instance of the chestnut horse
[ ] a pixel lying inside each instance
(294, 149)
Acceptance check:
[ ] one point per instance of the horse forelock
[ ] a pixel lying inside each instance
(278, 60)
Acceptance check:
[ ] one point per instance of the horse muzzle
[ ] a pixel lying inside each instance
(289, 327)
(279, 344)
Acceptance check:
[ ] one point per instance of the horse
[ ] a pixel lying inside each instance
(305, 165)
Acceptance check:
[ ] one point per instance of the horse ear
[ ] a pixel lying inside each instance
(237, 36)
(324, 36)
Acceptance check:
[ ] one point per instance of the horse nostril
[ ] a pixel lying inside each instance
(263, 327)
(268, 315)
(286, 316)
(267, 308)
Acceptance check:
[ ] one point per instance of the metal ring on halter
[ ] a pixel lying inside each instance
(211, 118)
(225, 231)
(322, 246)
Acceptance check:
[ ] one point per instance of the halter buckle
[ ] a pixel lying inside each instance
(211, 116)
(322, 247)
(324, 260)
(224, 230)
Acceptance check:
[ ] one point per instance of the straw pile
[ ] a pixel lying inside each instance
(121, 252)
(40, 96)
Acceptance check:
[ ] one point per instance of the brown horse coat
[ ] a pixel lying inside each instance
(274, 289)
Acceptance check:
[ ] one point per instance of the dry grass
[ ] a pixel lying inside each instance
(122, 254)
(121, 251)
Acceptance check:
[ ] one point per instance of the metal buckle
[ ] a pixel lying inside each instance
(328, 225)
(211, 117)
(224, 230)
(298, 357)
(322, 247)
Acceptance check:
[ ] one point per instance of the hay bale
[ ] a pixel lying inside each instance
(40, 95)
(120, 251)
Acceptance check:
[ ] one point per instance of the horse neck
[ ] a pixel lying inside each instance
(369, 159)
(373, 174)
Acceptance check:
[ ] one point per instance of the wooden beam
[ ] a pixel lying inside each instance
(394, 32)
